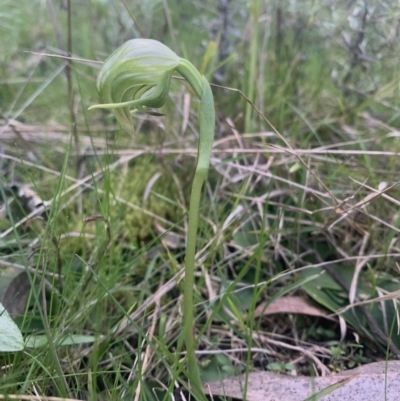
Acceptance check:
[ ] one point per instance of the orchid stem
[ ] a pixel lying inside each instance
(206, 137)
(188, 307)
(137, 75)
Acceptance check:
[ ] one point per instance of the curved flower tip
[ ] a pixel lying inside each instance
(136, 77)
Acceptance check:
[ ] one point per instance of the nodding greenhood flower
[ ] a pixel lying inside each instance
(137, 76)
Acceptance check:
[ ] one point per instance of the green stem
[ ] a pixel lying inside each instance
(190, 73)
(206, 137)
(188, 323)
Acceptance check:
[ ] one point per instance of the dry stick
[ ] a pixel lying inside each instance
(69, 79)
(68, 69)
(375, 328)
(133, 19)
(170, 25)
(55, 24)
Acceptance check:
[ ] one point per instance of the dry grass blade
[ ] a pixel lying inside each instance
(92, 63)
(155, 298)
(391, 296)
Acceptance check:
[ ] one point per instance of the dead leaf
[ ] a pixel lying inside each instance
(15, 288)
(293, 305)
(372, 382)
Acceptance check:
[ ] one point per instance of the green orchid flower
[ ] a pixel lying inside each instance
(136, 77)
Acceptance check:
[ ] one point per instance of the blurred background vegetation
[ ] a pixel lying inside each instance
(301, 200)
